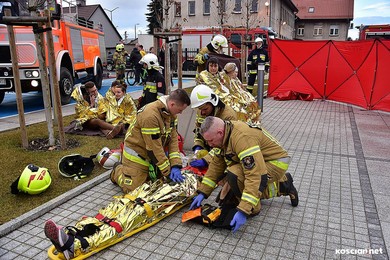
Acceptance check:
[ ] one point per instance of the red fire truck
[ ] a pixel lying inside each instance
(381, 31)
(198, 38)
(195, 39)
(79, 52)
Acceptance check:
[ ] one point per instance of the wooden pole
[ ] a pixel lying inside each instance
(167, 66)
(40, 43)
(18, 87)
(54, 81)
(179, 63)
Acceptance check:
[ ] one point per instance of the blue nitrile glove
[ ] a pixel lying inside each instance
(175, 175)
(206, 56)
(238, 220)
(201, 163)
(197, 201)
(197, 148)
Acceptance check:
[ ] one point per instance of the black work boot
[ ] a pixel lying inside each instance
(292, 191)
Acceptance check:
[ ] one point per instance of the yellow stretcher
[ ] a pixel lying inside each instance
(160, 200)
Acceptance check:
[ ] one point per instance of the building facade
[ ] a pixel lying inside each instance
(278, 14)
(323, 20)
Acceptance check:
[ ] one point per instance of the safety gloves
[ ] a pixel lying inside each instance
(238, 220)
(197, 148)
(201, 163)
(176, 175)
(197, 201)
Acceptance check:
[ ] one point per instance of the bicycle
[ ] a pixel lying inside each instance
(130, 77)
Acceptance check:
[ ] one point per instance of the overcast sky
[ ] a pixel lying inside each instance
(132, 12)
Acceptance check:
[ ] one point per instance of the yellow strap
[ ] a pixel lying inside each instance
(148, 210)
(146, 206)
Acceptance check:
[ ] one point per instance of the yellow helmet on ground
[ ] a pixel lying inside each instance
(33, 180)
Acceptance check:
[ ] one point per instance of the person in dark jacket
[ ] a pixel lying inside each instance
(258, 55)
(155, 82)
(135, 58)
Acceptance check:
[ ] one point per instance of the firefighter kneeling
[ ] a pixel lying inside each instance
(254, 163)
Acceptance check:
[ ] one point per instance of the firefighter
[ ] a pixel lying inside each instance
(151, 144)
(120, 61)
(255, 166)
(155, 82)
(91, 109)
(258, 55)
(215, 46)
(207, 103)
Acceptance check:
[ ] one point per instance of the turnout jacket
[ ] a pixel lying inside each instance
(119, 59)
(255, 57)
(221, 111)
(153, 136)
(119, 111)
(249, 148)
(84, 110)
(200, 60)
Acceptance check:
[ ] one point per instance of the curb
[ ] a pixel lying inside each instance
(16, 223)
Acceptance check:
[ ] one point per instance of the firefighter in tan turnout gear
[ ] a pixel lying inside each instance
(207, 103)
(254, 163)
(151, 144)
(215, 46)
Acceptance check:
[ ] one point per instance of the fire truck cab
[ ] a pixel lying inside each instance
(380, 31)
(79, 53)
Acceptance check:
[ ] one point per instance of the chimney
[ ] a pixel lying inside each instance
(81, 2)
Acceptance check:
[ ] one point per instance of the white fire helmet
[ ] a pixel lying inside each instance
(202, 94)
(219, 41)
(151, 60)
(107, 158)
(258, 39)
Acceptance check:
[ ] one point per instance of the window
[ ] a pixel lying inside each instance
(311, 10)
(177, 9)
(301, 30)
(334, 30)
(237, 6)
(254, 5)
(191, 7)
(206, 7)
(317, 30)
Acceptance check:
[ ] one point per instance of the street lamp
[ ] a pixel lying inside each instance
(111, 11)
(267, 5)
(135, 30)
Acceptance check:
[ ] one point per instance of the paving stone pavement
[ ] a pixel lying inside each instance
(340, 164)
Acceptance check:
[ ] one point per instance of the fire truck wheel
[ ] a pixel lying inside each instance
(66, 85)
(2, 93)
(99, 77)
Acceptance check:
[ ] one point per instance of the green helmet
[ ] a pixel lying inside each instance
(33, 180)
